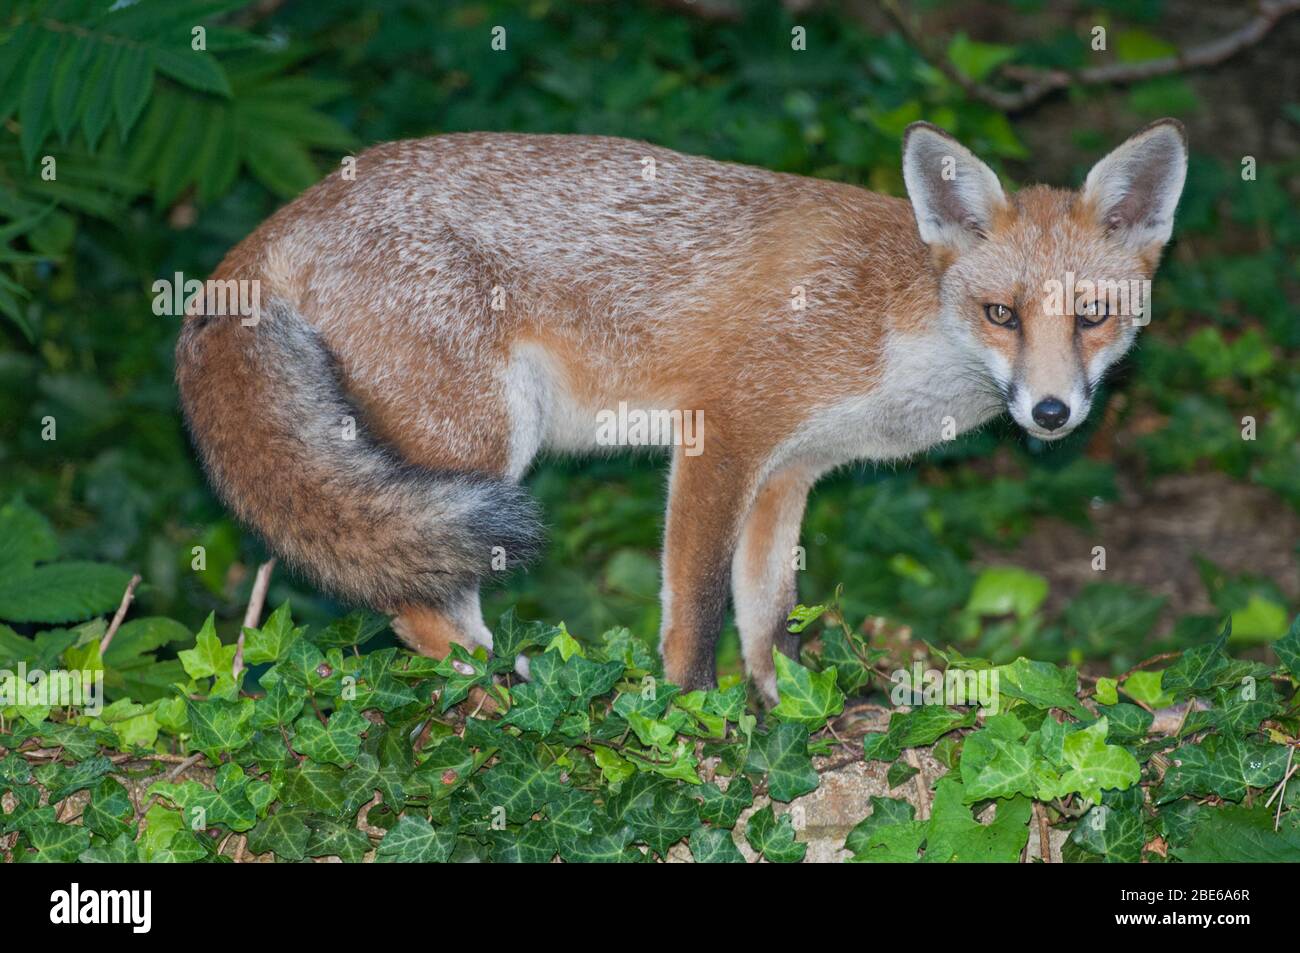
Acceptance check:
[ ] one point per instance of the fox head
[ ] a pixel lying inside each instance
(1048, 285)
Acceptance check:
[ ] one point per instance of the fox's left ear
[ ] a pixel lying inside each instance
(1134, 190)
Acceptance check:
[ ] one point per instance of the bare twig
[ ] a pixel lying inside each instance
(1044, 833)
(177, 771)
(1280, 791)
(253, 614)
(118, 616)
(922, 788)
(1037, 84)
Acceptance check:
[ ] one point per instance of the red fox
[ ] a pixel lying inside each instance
(431, 323)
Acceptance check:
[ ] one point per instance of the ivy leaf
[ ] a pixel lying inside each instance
(219, 725)
(886, 812)
(1196, 670)
(782, 755)
(1288, 649)
(806, 697)
(208, 657)
(355, 628)
(1113, 829)
(1096, 766)
(522, 784)
(284, 833)
(270, 642)
(110, 811)
(714, 845)
(463, 671)
(512, 636)
(331, 838)
(1145, 687)
(723, 808)
(585, 679)
(413, 840)
(336, 742)
(318, 787)
(1042, 684)
(534, 707)
(670, 816)
(1239, 835)
(773, 837)
(121, 850)
(57, 843)
(917, 728)
(953, 834)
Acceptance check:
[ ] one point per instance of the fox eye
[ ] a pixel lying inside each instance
(1001, 315)
(1092, 314)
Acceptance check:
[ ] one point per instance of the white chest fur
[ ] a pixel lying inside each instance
(931, 388)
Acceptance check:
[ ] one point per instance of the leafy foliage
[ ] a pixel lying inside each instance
(392, 757)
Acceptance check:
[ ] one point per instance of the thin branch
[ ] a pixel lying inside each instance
(116, 624)
(1044, 832)
(253, 614)
(1037, 84)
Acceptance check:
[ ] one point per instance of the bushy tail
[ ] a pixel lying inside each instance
(266, 409)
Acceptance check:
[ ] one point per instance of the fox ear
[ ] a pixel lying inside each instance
(1134, 190)
(954, 195)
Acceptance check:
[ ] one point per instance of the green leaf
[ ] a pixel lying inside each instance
(415, 841)
(1042, 684)
(26, 538)
(1239, 835)
(723, 808)
(712, 845)
(1113, 829)
(270, 642)
(1197, 669)
(773, 837)
(220, 725)
(336, 742)
(284, 833)
(132, 82)
(1107, 691)
(208, 657)
(61, 592)
(976, 60)
(782, 755)
(331, 838)
(1096, 766)
(886, 812)
(1007, 590)
(953, 834)
(919, 727)
(57, 843)
(806, 697)
(1288, 649)
(1145, 687)
(522, 784)
(194, 68)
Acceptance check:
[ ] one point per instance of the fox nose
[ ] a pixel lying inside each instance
(1051, 414)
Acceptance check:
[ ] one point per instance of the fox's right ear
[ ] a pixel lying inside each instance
(955, 196)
